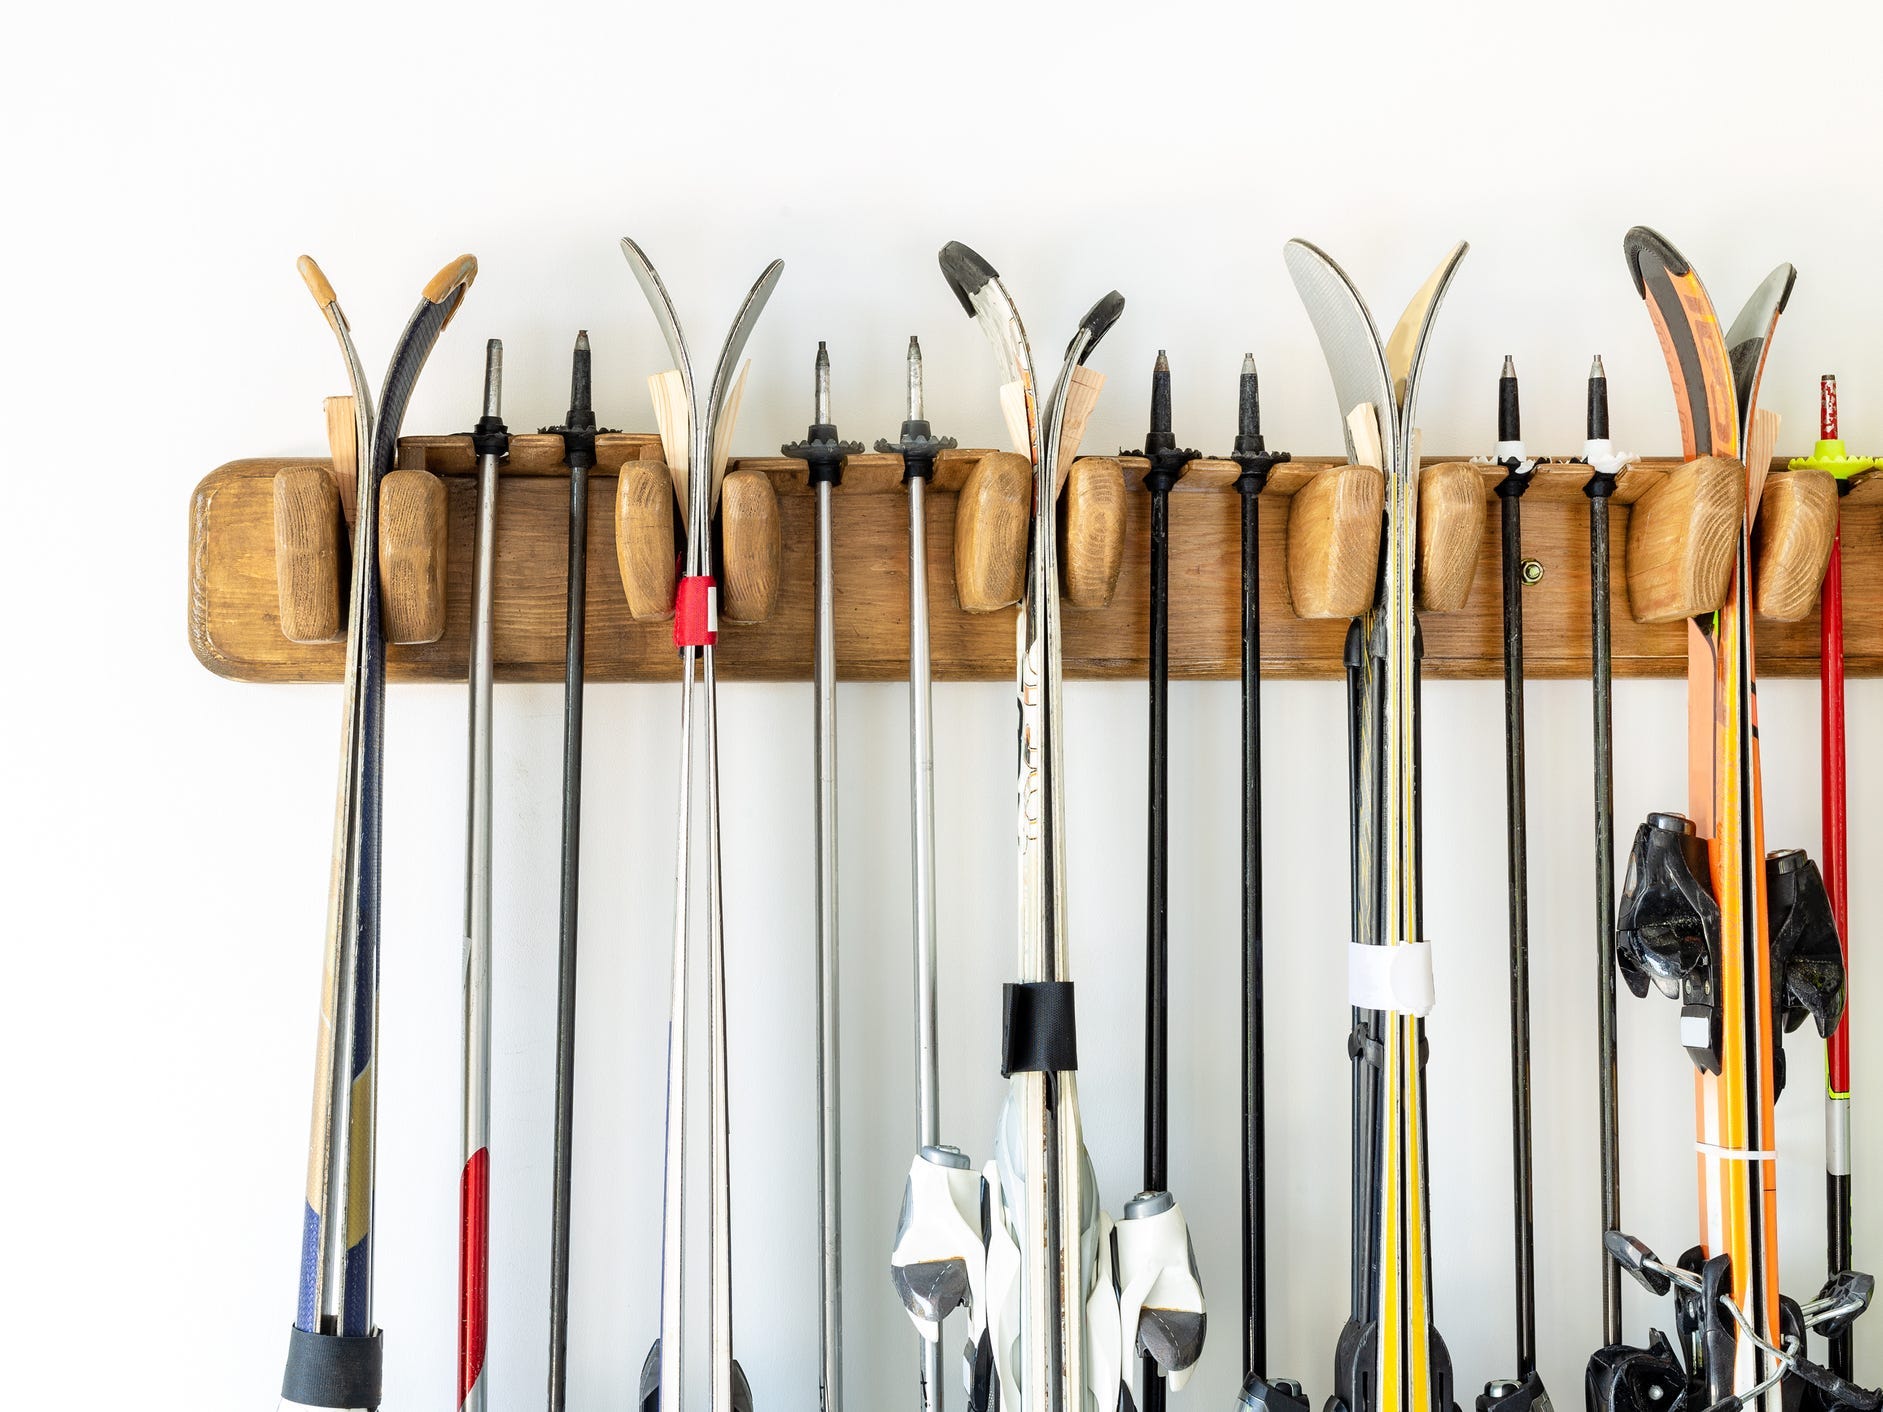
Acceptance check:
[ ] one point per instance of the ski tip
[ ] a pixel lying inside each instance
(1596, 374)
(1644, 243)
(1791, 278)
(1099, 319)
(453, 280)
(966, 272)
(316, 282)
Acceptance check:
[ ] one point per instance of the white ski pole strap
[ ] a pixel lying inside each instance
(1397, 979)
(1734, 1154)
(1038, 1035)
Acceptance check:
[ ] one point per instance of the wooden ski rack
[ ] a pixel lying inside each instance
(235, 612)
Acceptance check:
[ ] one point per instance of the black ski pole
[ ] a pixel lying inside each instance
(578, 450)
(1604, 469)
(1526, 1388)
(1256, 461)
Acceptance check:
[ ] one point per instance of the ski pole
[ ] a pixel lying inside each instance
(918, 448)
(491, 441)
(1605, 467)
(334, 1350)
(823, 454)
(1252, 455)
(1829, 455)
(578, 451)
(1526, 1389)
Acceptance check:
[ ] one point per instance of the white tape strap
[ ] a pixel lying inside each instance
(1734, 1154)
(1392, 978)
(1604, 458)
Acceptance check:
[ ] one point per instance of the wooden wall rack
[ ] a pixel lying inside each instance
(235, 627)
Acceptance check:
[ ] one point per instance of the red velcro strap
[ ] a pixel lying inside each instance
(696, 612)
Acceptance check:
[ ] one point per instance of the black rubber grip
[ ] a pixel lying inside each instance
(333, 1370)
(1038, 1033)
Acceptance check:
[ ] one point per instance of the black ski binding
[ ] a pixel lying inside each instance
(1354, 1359)
(1667, 929)
(1623, 1379)
(1807, 962)
(1505, 1395)
(1260, 1394)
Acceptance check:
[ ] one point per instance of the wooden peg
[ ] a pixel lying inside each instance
(750, 543)
(644, 543)
(1791, 542)
(1451, 530)
(1092, 546)
(1683, 536)
(1334, 542)
(412, 521)
(310, 563)
(341, 434)
(991, 522)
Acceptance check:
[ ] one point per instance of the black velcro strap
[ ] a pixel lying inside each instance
(1038, 1035)
(332, 1370)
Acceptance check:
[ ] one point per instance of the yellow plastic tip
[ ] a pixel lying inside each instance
(317, 283)
(456, 275)
(1831, 456)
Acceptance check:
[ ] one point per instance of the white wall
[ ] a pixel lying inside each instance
(168, 831)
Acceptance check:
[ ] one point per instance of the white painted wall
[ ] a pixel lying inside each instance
(168, 831)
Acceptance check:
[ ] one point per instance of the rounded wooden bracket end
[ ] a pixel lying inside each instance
(1334, 542)
(1683, 537)
(1451, 531)
(1791, 543)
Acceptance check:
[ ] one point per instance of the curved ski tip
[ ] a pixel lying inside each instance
(966, 272)
(1643, 241)
(650, 1379)
(1099, 319)
(454, 279)
(316, 282)
(1791, 278)
(741, 1389)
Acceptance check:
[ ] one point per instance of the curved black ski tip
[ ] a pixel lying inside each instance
(1643, 240)
(966, 272)
(1525, 1396)
(1791, 278)
(1260, 1395)
(1098, 321)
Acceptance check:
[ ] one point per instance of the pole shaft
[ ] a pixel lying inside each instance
(1254, 1137)
(1604, 777)
(1837, 884)
(829, 1137)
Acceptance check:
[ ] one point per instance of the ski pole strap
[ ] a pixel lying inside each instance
(333, 1370)
(1397, 979)
(1734, 1154)
(696, 612)
(1361, 1045)
(1037, 1033)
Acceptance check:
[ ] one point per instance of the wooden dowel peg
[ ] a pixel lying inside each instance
(751, 542)
(1683, 536)
(310, 557)
(644, 539)
(412, 556)
(1334, 542)
(1791, 542)
(1092, 547)
(1451, 531)
(991, 520)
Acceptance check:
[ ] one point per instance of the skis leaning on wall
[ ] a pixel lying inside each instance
(1745, 941)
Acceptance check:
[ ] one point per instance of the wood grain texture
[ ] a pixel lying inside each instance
(1683, 535)
(234, 628)
(645, 549)
(1791, 542)
(750, 543)
(341, 434)
(1334, 542)
(1092, 533)
(990, 545)
(413, 553)
(310, 561)
(1451, 534)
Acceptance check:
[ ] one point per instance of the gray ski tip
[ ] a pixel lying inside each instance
(966, 272)
(1098, 321)
(1172, 1337)
(1642, 243)
(741, 1389)
(933, 1289)
(650, 1379)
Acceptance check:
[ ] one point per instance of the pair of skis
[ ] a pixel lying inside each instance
(334, 1352)
(1745, 940)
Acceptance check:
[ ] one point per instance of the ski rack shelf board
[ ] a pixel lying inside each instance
(235, 631)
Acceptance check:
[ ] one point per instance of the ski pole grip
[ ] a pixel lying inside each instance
(1038, 1031)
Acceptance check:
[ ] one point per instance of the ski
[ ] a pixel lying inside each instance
(334, 1352)
(1525, 1389)
(1390, 1357)
(578, 433)
(1160, 1298)
(1605, 467)
(1050, 1339)
(823, 454)
(491, 441)
(1829, 455)
(938, 1240)
(1259, 1392)
(1739, 936)
(695, 631)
